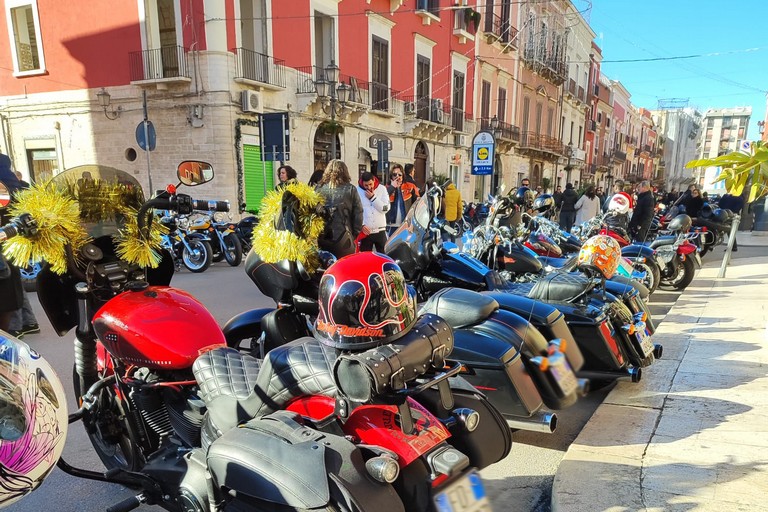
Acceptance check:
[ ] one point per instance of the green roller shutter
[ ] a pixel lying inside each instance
(259, 176)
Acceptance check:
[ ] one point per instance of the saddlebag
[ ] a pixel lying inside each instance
(275, 459)
(490, 442)
(386, 369)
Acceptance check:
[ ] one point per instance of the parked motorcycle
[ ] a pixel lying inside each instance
(160, 392)
(188, 247)
(223, 239)
(244, 230)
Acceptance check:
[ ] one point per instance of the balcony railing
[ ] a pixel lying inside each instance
(383, 98)
(619, 156)
(159, 63)
(428, 109)
(541, 142)
(307, 76)
(255, 66)
(588, 171)
(647, 148)
(500, 28)
(591, 125)
(572, 87)
(373, 95)
(580, 94)
(505, 130)
(550, 65)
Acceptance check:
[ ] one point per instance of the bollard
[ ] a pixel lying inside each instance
(731, 240)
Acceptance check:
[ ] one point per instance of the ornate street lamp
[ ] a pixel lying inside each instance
(336, 95)
(104, 100)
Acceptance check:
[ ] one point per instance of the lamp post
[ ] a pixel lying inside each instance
(104, 100)
(569, 152)
(496, 132)
(336, 94)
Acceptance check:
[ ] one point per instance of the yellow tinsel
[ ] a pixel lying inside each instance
(58, 224)
(273, 245)
(135, 247)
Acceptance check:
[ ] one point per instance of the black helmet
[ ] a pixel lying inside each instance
(524, 197)
(680, 223)
(364, 302)
(722, 216)
(544, 203)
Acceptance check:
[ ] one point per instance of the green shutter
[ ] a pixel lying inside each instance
(259, 176)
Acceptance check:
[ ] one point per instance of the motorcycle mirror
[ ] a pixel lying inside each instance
(5, 195)
(193, 172)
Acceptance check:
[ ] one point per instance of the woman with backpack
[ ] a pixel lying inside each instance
(343, 210)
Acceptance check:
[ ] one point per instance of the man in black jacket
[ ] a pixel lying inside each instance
(567, 205)
(642, 216)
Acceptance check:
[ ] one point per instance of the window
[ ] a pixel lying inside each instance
(422, 87)
(457, 112)
(380, 73)
(24, 31)
(433, 6)
(599, 117)
(454, 172)
(485, 100)
(502, 105)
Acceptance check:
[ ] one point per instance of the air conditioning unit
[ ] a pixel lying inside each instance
(409, 107)
(437, 104)
(250, 101)
(436, 116)
(459, 140)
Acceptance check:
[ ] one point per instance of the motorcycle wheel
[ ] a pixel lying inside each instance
(683, 276)
(109, 430)
(200, 258)
(652, 274)
(233, 250)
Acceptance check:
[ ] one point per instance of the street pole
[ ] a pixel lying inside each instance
(333, 120)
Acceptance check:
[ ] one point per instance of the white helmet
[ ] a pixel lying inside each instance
(619, 203)
(33, 419)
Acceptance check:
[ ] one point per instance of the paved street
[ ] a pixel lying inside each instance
(524, 478)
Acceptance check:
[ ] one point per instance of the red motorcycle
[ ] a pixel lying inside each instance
(161, 393)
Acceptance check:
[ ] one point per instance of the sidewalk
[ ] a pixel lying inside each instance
(693, 434)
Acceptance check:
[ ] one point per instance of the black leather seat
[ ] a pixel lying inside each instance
(238, 387)
(459, 307)
(558, 286)
(663, 240)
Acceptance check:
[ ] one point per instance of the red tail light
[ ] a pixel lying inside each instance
(605, 330)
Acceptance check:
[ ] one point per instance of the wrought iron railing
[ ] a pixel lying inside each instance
(158, 63)
(259, 67)
(541, 142)
(500, 27)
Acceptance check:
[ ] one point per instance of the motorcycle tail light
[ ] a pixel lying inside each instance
(382, 468)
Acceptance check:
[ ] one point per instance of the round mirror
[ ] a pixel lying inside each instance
(192, 172)
(5, 195)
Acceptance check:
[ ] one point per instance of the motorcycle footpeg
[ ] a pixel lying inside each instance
(128, 504)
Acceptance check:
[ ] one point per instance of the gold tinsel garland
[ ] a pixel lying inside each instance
(58, 224)
(273, 245)
(139, 248)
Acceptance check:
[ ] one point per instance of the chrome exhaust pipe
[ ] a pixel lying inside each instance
(658, 349)
(540, 422)
(583, 388)
(635, 374)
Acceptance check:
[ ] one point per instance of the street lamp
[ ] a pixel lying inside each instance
(104, 100)
(336, 94)
(569, 152)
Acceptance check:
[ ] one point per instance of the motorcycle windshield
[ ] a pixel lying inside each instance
(407, 244)
(103, 194)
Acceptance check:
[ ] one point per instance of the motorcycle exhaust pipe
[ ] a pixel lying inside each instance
(658, 349)
(635, 374)
(583, 388)
(540, 422)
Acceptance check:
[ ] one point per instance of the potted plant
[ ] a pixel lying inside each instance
(472, 19)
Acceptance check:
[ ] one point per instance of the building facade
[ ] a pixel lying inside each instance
(679, 128)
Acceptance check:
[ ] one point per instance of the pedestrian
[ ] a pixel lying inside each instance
(587, 206)
(567, 206)
(343, 210)
(375, 201)
(557, 195)
(642, 215)
(525, 182)
(600, 195)
(734, 204)
(11, 290)
(402, 194)
(287, 175)
(452, 208)
(409, 177)
(692, 201)
(539, 191)
(19, 177)
(316, 177)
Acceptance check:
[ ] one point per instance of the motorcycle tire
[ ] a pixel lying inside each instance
(233, 250)
(705, 248)
(683, 276)
(200, 260)
(653, 274)
(111, 433)
(217, 254)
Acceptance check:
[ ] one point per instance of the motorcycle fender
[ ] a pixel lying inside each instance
(244, 326)
(200, 236)
(277, 460)
(632, 251)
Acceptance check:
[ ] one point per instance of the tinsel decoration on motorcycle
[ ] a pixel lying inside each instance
(289, 226)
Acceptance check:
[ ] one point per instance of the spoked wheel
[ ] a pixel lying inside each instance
(233, 250)
(109, 431)
(683, 276)
(652, 274)
(198, 259)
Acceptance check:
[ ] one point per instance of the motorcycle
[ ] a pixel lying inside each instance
(223, 239)
(161, 393)
(244, 229)
(190, 248)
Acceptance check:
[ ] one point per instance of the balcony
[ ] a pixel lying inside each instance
(571, 90)
(159, 66)
(464, 27)
(540, 146)
(591, 125)
(550, 65)
(588, 172)
(500, 30)
(428, 11)
(257, 69)
(647, 149)
(580, 94)
(363, 95)
(382, 99)
(427, 117)
(459, 120)
(619, 156)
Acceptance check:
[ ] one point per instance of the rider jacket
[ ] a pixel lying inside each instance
(642, 216)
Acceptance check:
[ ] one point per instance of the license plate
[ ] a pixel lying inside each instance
(646, 343)
(563, 374)
(467, 494)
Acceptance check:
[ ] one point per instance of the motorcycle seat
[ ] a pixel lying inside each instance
(662, 241)
(558, 286)
(459, 307)
(237, 387)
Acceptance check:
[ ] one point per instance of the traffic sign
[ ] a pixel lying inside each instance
(151, 135)
(483, 150)
(373, 141)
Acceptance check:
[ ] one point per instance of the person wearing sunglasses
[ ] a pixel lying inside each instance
(402, 194)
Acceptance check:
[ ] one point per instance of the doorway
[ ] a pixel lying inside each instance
(323, 146)
(420, 157)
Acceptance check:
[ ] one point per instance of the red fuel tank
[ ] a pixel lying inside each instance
(158, 327)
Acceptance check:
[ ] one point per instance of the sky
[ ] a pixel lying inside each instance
(729, 40)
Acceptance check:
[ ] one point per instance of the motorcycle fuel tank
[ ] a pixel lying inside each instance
(157, 327)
